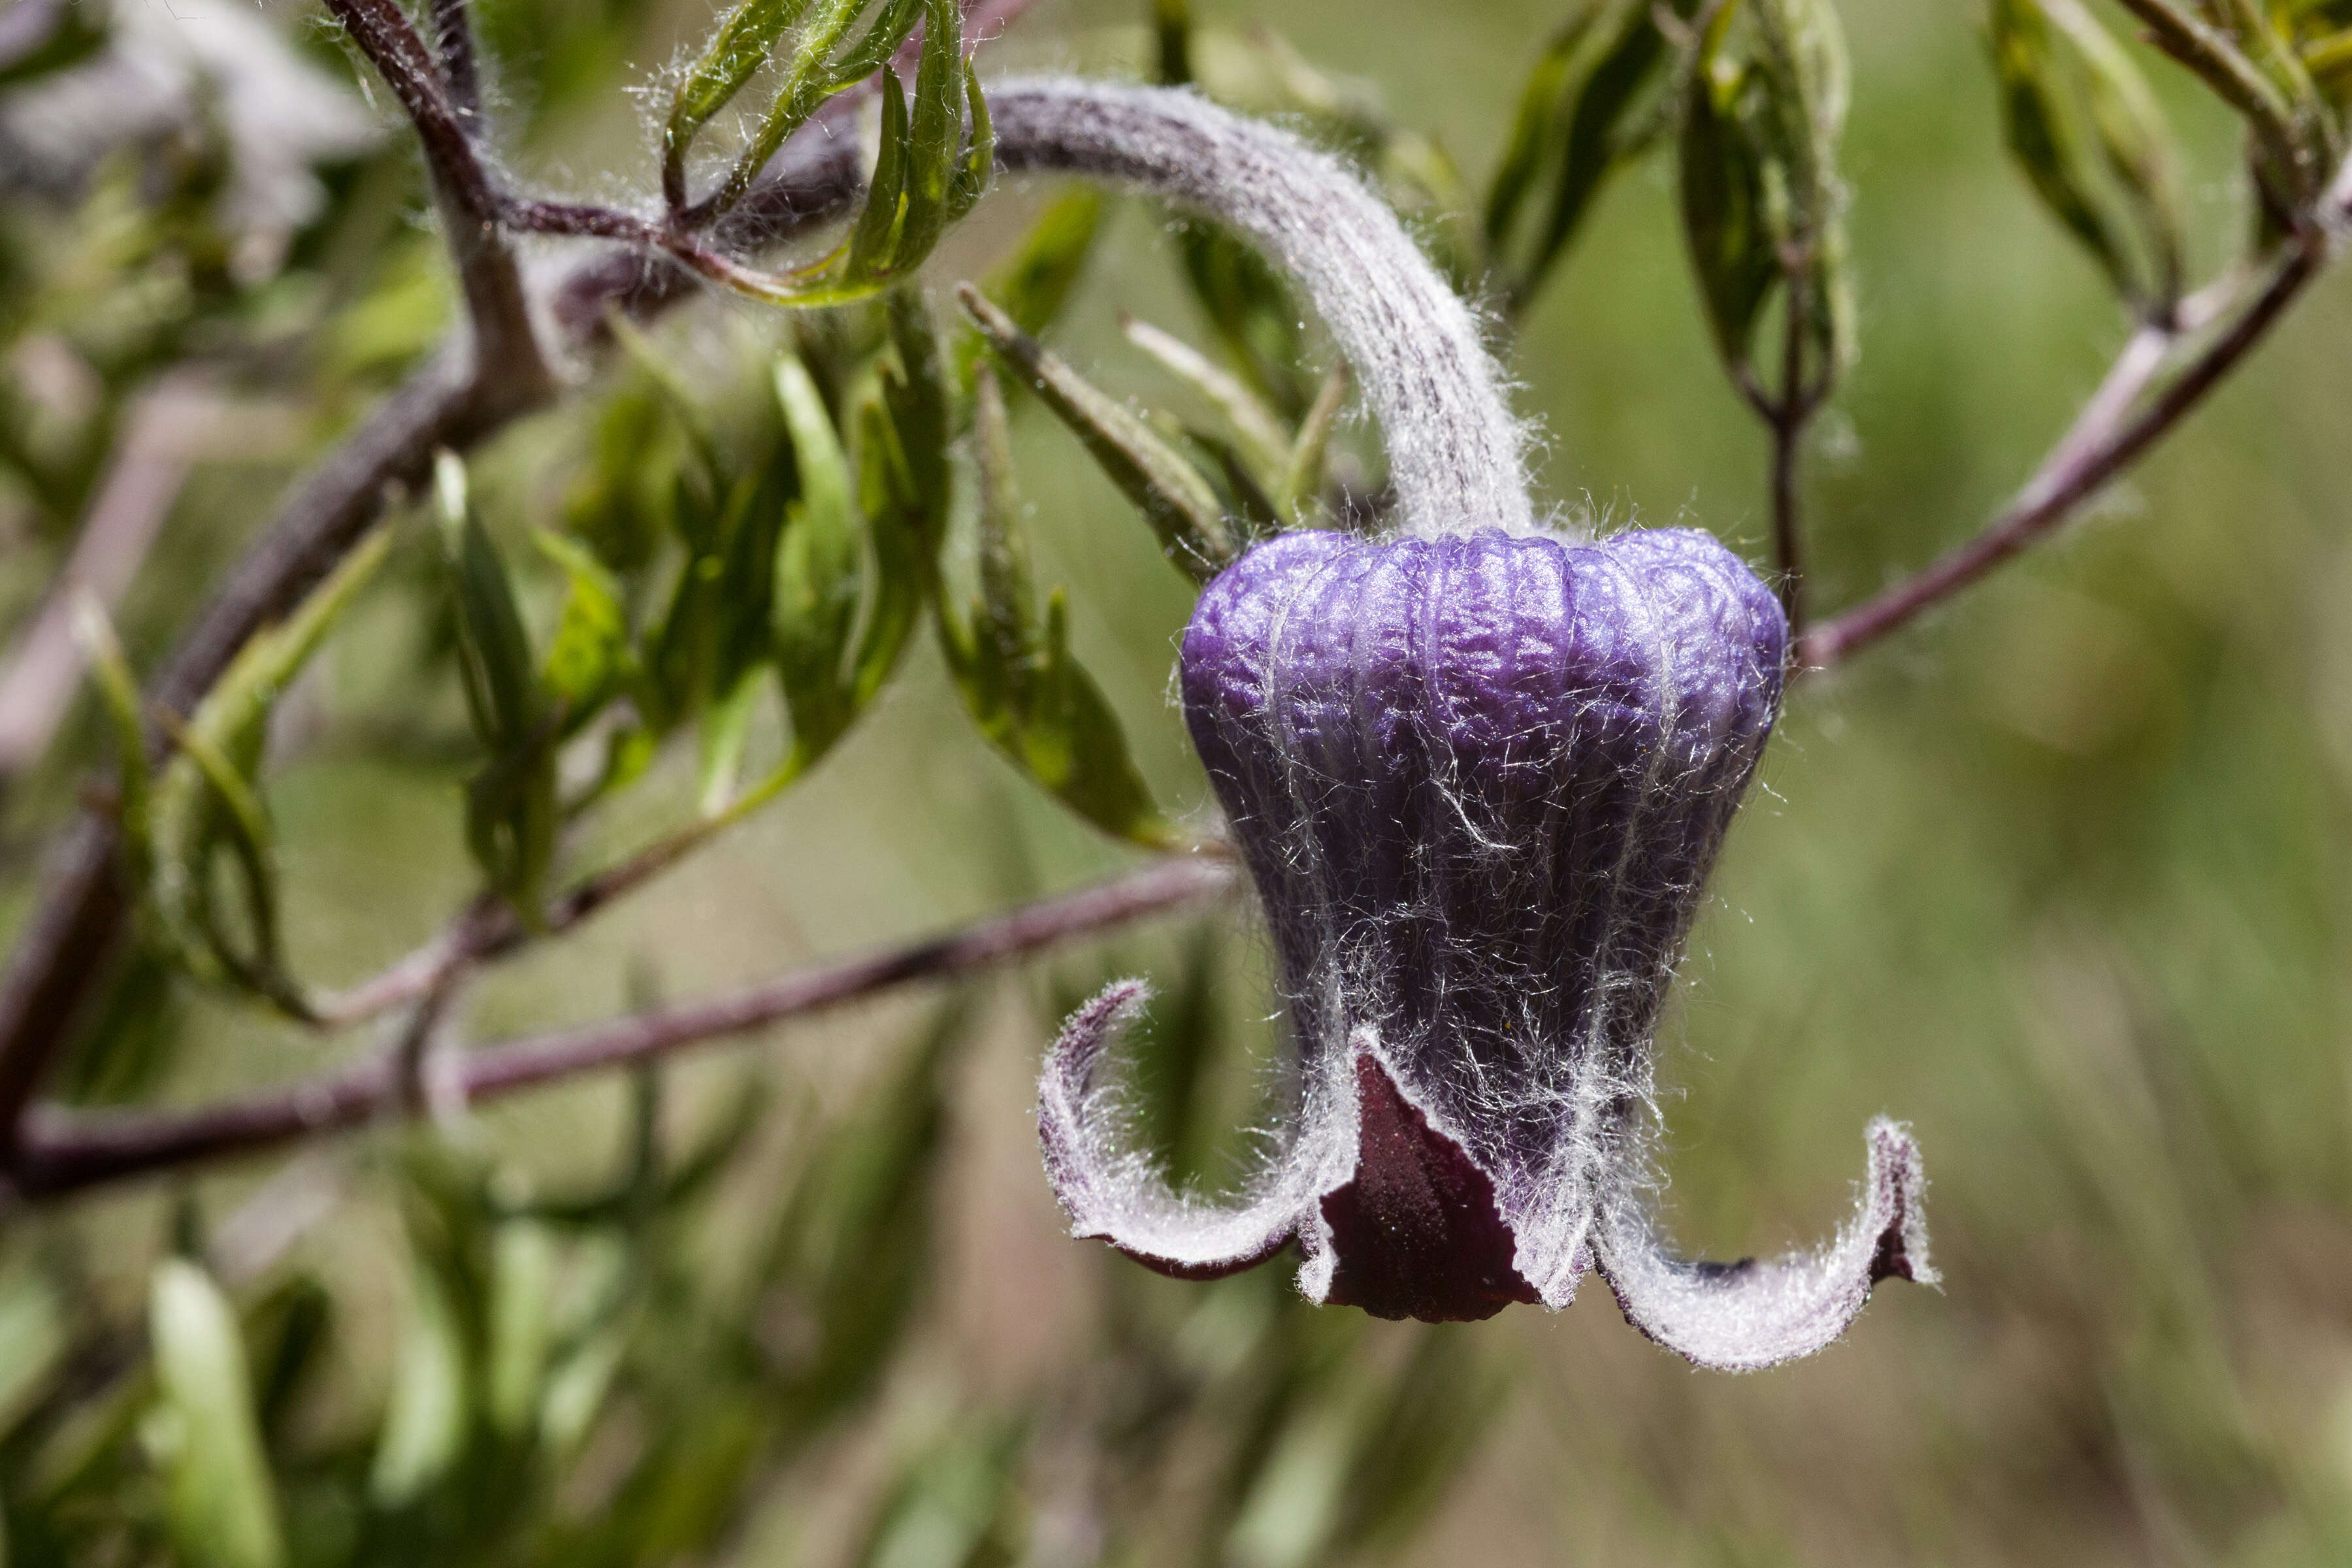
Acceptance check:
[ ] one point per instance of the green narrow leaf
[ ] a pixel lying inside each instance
(819, 572)
(117, 690)
(1172, 496)
(590, 655)
(978, 166)
(221, 1504)
(424, 1433)
(1076, 747)
(902, 565)
(1256, 428)
(208, 797)
(494, 650)
(811, 75)
(1515, 173)
(921, 405)
(2086, 129)
(522, 1292)
(33, 1344)
(1005, 604)
(873, 243)
(1723, 199)
(934, 135)
(738, 49)
(512, 811)
(726, 730)
(1302, 474)
(1575, 115)
(1019, 681)
(890, 27)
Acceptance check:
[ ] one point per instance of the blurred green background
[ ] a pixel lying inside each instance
(2058, 877)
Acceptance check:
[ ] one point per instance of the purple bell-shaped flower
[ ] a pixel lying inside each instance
(1478, 774)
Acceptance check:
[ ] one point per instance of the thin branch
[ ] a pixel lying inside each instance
(65, 946)
(488, 928)
(61, 952)
(2104, 441)
(509, 364)
(64, 1153)
(392, 44)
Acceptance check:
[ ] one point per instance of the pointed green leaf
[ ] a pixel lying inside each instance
(590, 655)
(1172, 496)
(2086, 129)
(222, 1505)
(34, 1341)
(934, 135)
(916, 393)
(1256, 428)
(903, 567)
(1005, 610)
(978, 165)
(812, 74)
(493, 648)
(117, 690)
(737, 50)
(1574, 117)
(889, 29)
(1024, 690)
(1514, 174)
(726, 730)
(522, 1291)
(873, 243)
(424, 1433)
(512, 812)
(1302, 473)
(1723, 196)
(819, 574)
(208, 797)
(1073, 744)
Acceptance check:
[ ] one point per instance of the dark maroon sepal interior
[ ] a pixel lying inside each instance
(1416, 1233)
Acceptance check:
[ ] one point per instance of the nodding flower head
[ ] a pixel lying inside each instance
(1479, 775)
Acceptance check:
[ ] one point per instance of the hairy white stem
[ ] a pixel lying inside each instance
(1456, 457)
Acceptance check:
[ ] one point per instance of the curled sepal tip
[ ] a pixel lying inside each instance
(1744, 1316)
(1114, 1194)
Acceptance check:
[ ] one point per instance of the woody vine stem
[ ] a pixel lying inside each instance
(1455, 456)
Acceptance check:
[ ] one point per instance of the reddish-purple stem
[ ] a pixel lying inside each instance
(62, 1152)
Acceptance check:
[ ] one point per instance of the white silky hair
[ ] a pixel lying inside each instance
(1457, 456)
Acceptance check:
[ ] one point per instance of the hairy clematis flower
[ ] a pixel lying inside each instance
(1478, 774)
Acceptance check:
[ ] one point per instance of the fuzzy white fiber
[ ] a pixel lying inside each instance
(1456, 456)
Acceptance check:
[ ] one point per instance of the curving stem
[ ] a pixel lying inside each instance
(1456, 456)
